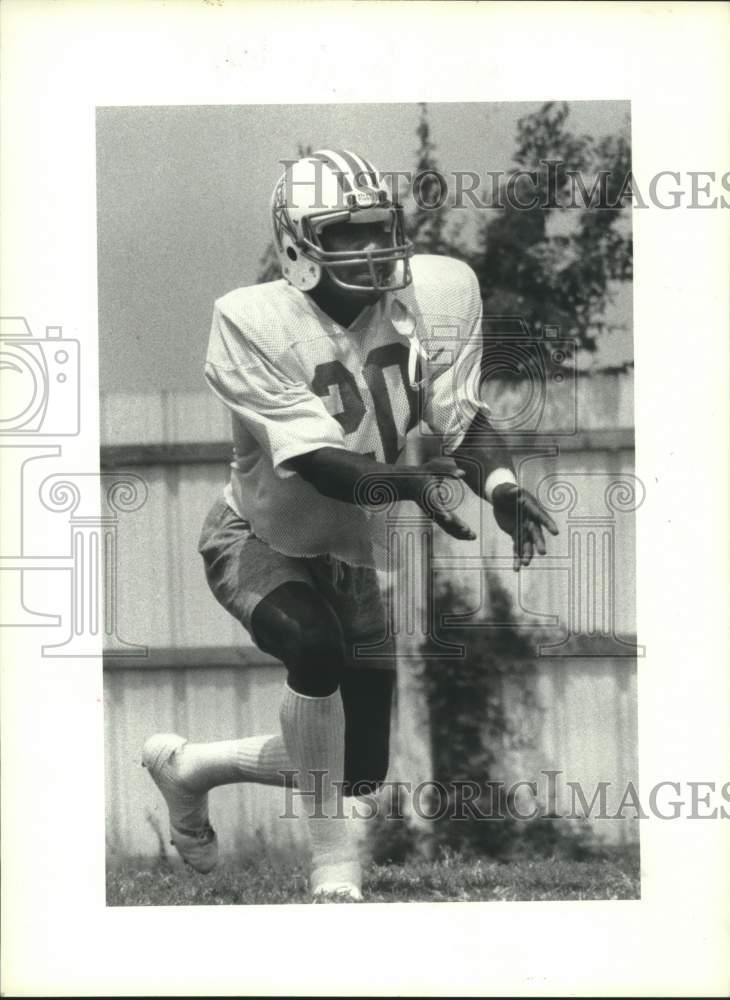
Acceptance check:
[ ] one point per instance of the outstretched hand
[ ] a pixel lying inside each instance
(522, 516)
(435, 494)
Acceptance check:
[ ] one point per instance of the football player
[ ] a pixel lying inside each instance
(325, 372)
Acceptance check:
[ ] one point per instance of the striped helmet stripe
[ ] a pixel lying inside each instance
(372, 170)
(341, 170)
(352, 166)
(361, 169)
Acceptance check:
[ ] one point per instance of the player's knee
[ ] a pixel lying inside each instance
(317, 658)
(303, 632)
(294, 624)
(320, 642)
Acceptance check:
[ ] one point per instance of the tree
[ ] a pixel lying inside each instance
(470, 727)
(426, 226)
(558, 278)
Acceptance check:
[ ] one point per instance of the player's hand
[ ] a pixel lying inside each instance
(436, 495)
(522, 516)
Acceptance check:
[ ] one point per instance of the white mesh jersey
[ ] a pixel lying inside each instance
(295, 380)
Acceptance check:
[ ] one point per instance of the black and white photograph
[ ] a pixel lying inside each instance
(363, 377)
(385, 558)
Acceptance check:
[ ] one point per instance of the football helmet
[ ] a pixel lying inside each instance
(328, 187)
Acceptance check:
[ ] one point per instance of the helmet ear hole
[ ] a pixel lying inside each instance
(291, 253)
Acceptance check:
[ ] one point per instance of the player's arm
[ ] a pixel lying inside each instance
(489, 470)
(350, 477)
(484, 457)
(452, 397)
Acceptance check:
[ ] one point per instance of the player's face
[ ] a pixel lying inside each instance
(363, 236)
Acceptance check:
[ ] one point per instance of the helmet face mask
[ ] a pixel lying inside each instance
(325, 190)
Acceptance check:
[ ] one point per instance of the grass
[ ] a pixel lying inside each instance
(452, 878)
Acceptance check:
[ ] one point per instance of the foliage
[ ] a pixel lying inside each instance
(428, 228)
(392, 839)
(470, 729)
(554, 263)
(474, 730)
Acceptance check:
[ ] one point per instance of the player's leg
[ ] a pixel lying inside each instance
(367, 682)
(275, 598)
(240, 569)
(296, 624)
(367, 697)
(335, 720)
(369, 678)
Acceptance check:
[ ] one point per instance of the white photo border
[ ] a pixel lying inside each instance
(62, 60)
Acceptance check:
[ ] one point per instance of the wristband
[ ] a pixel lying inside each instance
(496, 478)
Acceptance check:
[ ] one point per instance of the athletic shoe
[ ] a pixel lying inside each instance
(343, 892)
(338, 880)
(191, 832)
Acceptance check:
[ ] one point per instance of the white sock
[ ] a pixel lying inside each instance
(314, 735)
(258, 758)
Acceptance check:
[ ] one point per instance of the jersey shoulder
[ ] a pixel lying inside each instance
(255, 305)
(271, 316)
(444, 285)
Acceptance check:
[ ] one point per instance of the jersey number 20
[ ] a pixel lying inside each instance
(334, 373)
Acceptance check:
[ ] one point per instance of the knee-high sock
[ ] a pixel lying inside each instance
(260, 759)
(314, 735)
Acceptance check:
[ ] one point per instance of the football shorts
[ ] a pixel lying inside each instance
(242, 569)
